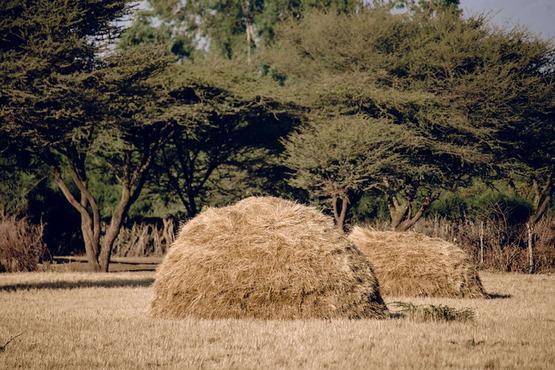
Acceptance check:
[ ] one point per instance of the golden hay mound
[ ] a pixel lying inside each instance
(265, 258)
(413, 264)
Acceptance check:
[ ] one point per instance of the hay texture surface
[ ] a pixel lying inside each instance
(413, 264)
(265, 258)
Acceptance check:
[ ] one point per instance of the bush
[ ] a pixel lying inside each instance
(508, 208)
(482, 204)
(21, 243)
(450, 206)
(369, 208)
(433, 313)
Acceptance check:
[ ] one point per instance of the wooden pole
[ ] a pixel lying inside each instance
(481, 242)
(530, 249)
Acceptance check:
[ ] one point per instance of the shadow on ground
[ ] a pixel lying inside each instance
(114, 283)
(498, 296)
(84, 267)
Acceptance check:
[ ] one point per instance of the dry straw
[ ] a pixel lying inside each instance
(413, 264)
(265, 258)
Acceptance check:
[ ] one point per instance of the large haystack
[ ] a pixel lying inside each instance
(413, 264)
(265, 258)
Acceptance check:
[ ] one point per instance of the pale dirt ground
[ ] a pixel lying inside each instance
(82, 321)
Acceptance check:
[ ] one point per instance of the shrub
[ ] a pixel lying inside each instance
(370, 208)
(21, 243)
(450, 206)
(482, 204)
(434, 313)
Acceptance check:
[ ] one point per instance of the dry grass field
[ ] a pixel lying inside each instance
(81, 321)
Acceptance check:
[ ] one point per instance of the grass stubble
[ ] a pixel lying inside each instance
(106, 325)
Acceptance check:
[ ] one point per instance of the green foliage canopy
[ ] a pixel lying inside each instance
(462, 94)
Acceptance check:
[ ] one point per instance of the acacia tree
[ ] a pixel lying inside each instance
(74, 111)
(47, 58)
(503, 82)
(343, 158)
(223, 132)
(136, 128)
(462, 93)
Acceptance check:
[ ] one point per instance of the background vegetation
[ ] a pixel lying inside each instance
(406, 115)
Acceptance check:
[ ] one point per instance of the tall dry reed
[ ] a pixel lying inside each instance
(495, 244)
(145, 239)
(21, 243)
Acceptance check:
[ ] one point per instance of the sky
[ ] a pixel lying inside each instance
(537, 15)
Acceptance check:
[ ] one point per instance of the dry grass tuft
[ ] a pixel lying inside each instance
(431, 312)
(265, 258)
(412, 264)
(21, 243)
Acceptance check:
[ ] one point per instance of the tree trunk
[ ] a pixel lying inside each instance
(98, 254)
(130, 191)
(114, 228)
(343, 213)
(541, 209)
(91, 248)
(191, 207)
(249, 28)
(90, 226)
(133, 180)
(397, 212)
(541, 201)
(402, 218)
(340, 205)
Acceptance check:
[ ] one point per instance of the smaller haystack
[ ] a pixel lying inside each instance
(265, 258)
(413, 264)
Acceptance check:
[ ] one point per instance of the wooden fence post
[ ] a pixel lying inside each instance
(530, 249)
(481, 242)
